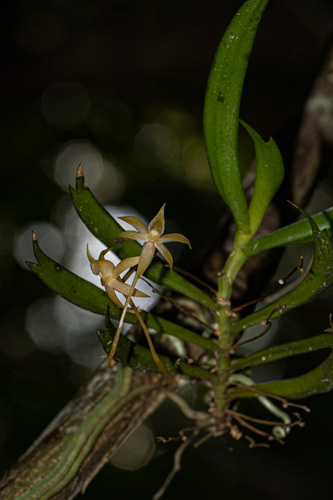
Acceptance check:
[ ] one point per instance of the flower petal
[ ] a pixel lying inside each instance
(112, 296)
(126, 289)
(101, 267)
(106, 269)
(140, 294)
(147, 255)
(93, 263)
(135, 222)
(157, 223)
(180, 238)
(121, 287)
(103, 252)
(166, 254)
(125, 264)
(134, 235)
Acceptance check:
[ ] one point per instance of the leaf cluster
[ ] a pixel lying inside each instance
(217, 362)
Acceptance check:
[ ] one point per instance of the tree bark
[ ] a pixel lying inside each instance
(85, 434)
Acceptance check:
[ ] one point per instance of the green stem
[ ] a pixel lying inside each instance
(235, 261)
(233, 264)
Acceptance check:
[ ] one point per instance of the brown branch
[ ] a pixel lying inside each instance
(85, 434)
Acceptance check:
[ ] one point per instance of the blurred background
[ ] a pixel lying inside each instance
(119, 87)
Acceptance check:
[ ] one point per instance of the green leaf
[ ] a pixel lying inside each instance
(318, 380)
(222, 103)
(68, 285)
(297, 233)
(319, 278)
(106, 229)
(269, 176)
(88, 296)
(139, 358)
(284, 351)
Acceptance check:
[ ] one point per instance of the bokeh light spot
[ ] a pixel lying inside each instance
(136, 451)
(102, 176)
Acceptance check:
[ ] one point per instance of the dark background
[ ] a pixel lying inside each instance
(119, 86)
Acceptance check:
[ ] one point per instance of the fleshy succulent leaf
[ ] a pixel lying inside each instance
(269, 176)
(318, 279)
(297, 233)
(222, 103)
(68, 285)
(283, 351)
(318, 380)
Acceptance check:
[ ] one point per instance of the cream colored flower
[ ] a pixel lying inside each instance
(154, 239)
(111, 280)
(110, 276)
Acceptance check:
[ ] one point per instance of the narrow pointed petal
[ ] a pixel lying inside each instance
(125, 264)
(135, 222)
(147, 255)
(126, 289)
(166, 254)
(134, 235)
(90, 257)
(121, 287)
(112, 296)
(94, 264)
(180, 238)
(157, 223)
(102, 254)
(140, 294)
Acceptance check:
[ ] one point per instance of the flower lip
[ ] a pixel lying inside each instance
(154, 234)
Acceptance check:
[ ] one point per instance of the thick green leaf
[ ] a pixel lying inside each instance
(318, 380)
(106, 229)
(297, 233)
(319, 278)
(269, 176)
(88, 296)
(68, 285)
(284, 351)
(222, 103)
(139, 358)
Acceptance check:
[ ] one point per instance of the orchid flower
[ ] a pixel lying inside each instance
(154, 239)
(110, 276)
(111, 280)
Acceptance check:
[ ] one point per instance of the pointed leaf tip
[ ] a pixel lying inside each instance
(34, 237)
(80, 181)
(79, 172)
(313, 224)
